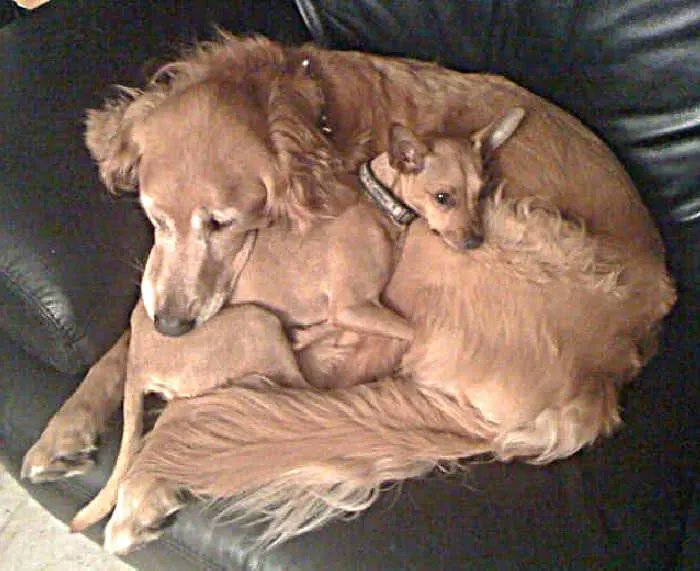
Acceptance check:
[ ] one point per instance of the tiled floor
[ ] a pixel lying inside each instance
(31, 539)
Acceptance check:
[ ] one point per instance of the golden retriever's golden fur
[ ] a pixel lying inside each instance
(519, 347)
(515, 383)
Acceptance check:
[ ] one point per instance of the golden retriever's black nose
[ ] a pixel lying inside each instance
(172, 326)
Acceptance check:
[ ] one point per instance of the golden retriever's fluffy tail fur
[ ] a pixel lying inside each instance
(332, 450)
(531, 374)
(293, 460)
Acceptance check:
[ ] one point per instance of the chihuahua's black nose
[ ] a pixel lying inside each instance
(173, 326)
(472, 242)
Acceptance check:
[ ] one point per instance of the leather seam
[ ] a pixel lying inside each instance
(311, 20)
(70, 337)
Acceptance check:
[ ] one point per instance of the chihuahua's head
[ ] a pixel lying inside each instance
(443, 179)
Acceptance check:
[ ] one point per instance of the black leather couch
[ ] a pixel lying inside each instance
(630, 69)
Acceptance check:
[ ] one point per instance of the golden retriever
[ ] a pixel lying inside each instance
(519, 345)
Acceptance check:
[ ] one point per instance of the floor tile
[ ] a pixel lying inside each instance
(31, 539)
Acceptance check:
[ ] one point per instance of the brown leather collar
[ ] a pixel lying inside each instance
(390, 204)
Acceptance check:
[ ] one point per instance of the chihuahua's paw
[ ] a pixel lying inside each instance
(301, 338)
(67, 447)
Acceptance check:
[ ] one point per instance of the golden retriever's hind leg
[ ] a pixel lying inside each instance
(68, 444)
(373, 319)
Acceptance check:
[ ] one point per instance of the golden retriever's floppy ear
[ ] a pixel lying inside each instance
(406, 152)
(110, 138)
(491, 137)
(304, 155)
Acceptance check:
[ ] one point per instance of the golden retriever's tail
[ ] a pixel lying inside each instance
(295, 459)
(103, 503)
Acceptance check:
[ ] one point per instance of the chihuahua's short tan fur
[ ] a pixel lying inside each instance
(441, 180)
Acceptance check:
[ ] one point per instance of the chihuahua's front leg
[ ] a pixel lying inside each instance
(360, 266)
(366, 318)
(372, 318)
(68, 444)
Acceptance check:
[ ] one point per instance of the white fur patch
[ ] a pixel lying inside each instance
(146, 201)
(118, 541)
(148, 296)
(197, 221)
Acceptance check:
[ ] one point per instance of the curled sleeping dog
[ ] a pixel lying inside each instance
(531, 252)
(518, 348)
(441, 181)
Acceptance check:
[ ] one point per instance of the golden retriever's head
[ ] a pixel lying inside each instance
(214, 151)
(442, 180)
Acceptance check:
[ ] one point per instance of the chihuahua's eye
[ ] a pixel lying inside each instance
(216, 225)
(444, 198)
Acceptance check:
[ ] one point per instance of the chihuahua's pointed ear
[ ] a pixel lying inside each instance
(406, 152)
(112, 140)
(491, 137)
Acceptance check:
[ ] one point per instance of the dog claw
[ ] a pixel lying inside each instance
(37, 469)
(79, 458)
(59, 454)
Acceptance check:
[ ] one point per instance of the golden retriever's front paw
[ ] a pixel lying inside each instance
(145, 507)
(66, 448)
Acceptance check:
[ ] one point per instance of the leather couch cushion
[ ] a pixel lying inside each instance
(630, 69)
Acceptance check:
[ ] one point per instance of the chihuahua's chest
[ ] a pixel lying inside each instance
(296, 275)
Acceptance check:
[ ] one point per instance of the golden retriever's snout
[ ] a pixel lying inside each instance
(172, 326)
